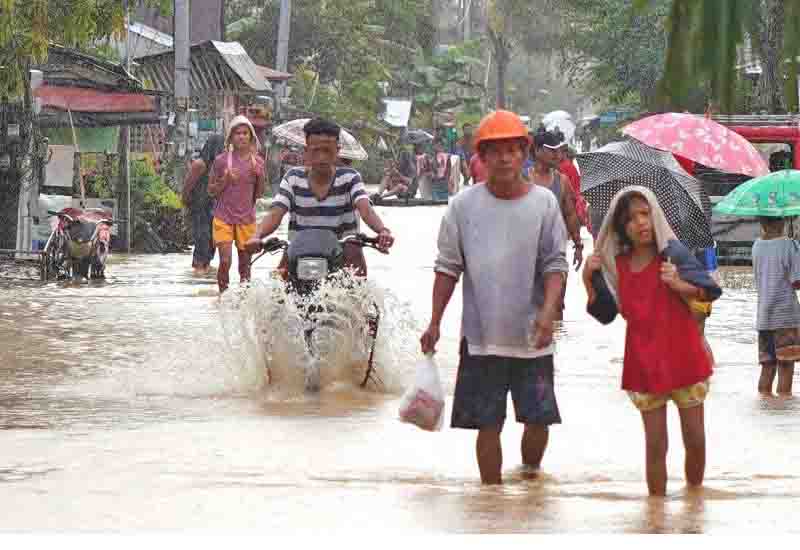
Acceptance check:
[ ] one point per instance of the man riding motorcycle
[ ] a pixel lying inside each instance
(322, 195)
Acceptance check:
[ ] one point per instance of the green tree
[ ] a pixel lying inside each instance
(610, 49)
(442, 82)
(519, 26)
(345, 54)
(704, 43)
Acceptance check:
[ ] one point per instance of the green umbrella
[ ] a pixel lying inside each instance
(776, 195)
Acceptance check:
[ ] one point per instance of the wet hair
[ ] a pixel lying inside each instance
(622, 215)
(321, 127)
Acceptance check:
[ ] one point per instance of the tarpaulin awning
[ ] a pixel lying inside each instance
(89, 100)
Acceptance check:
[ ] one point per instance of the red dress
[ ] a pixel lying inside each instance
(664, 350)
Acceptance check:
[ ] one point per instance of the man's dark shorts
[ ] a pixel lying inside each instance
(483, 383)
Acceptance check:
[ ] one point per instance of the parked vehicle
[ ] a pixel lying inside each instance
(735, 236)
(79, 244)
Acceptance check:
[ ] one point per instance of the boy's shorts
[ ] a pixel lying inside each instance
(782, 344)
(482, 387)
(685, 398)
(226, 233)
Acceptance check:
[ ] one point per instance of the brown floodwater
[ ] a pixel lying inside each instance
(139, 403)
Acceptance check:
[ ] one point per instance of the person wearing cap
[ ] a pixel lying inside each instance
(507, 240)
(547, 153)
(322, 195)
(237, 180)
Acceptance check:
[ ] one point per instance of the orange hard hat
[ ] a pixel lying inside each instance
(501, 125)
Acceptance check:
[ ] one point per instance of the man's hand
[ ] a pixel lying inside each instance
(593, 263)
(430, 338)
(385, 239)
(543, 330)
(577, 259)
(253, 245)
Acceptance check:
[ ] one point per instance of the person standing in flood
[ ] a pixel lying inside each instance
(201, 204)
(665, 359)
(545, 173)
(776, 266)
(507, 239)
(237, 180)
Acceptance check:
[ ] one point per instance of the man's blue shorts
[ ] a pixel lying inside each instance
(483, 383)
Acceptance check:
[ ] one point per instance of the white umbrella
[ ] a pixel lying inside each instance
(566, 126)
(555, 116)
(292, 131)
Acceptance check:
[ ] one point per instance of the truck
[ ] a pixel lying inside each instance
(777, 137)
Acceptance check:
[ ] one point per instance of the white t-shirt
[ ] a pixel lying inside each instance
(502, 248)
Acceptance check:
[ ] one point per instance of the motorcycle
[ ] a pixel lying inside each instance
(79, 244)
(313, 256)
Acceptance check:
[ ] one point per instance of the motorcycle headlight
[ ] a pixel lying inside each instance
(312, 269)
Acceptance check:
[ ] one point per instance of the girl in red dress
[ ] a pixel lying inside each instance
(665, 357)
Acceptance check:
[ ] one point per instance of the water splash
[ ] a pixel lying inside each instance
(320, 340)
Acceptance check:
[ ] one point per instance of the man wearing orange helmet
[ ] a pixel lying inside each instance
(508, 240)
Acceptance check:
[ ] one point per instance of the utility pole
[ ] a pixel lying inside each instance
(181, 26)
(282, 58)
(125, 165)
(467, 22)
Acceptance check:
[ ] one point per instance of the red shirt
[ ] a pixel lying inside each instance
(567, 167)
(236, 204)
(477, 170)
(664, 350)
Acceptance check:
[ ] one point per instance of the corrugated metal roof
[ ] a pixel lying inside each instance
(215, 67)
(151, 34)
(240, 62)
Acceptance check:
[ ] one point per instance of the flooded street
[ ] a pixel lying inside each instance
(130, 405)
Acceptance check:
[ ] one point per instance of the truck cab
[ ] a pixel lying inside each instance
(777, 137)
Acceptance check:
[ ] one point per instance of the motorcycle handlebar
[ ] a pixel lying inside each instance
(270, 244)
(362, 240)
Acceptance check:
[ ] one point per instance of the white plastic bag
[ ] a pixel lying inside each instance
(423, 403)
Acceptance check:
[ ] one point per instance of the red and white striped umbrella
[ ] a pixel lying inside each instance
(701, 140)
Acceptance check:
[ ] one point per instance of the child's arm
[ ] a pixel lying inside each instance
(687, 291)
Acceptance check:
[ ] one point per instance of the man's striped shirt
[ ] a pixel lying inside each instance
(336, 211)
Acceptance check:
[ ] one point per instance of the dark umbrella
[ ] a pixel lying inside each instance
(685, 202)
(417, 137)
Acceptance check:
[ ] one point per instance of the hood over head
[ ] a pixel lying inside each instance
(608, 244)
(238, 121)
